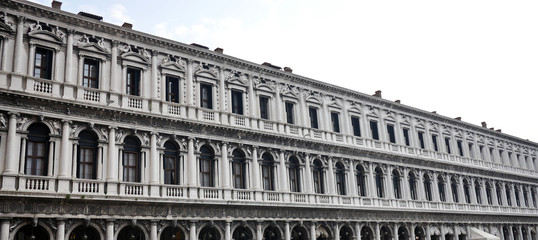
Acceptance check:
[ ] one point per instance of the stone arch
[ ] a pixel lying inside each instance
(385, 233)
(210, 231)
(243, 232)
(367, 233)
(272, 232)
(420, 233)
(299, 232)
(346, 232)
(403, 233)
(43, 229)
(132, 228)
(85, 224)
(323, 232)
(168, 230)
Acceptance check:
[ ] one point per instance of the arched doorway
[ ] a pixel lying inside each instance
(419, 233)
(209, 233)
(131, 232)
(322, 233)
(242, 233)
(32, 232)
(385, 233)
(346, 233)
(402, 233)
(367, 233)
(271, 233)
(299, 233)
(172, 233)
(84, 231)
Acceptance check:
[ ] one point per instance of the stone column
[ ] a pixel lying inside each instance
(352, 186)
(255, 170)
(112, 164)
(472, 193)
(60, 230)
(10, 167)
(225, 166)
(412, 232)
(389, 184)
(259, 233)
(494, 196)
(110, 229)
(371, 182)
(282, 169)
(312, 231)
(227, 230)
(115, 80)
(4, 229)
(377, 232)
(69, 80)
(395, 231)
(336, 231)
(252, 104)
(191, 163)
(192, 231)
(191, 113)
(330, 177)
(287, 231)
(308, 175)
(155, 108)
(153, 231)
(223, 97)
(358, 231)
(19, 55)
(406, 189)
(64, 154)
(154, 165)
(427, 232)
(435, 188)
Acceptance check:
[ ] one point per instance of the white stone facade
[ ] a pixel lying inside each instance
(110, 133)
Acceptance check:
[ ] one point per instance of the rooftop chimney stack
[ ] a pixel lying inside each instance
(288, 69)
(378, 94)
(56, 5)
(127, 25)
(458, 118)
(484, 125)
(219, 50)
(499, 130)
(397, 101)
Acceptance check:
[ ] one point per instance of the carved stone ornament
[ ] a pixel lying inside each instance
(119, 134)
(390, 115)
(5, 24)
(372, 111)
(174, 62)
(289, 90)
(54, 35)
(206, 68)
(237, 78)
(3, 121)
(93, 44)
(72, 130)
(21, 121)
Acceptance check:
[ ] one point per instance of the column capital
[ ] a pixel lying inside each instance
(13, 114)
(152, 133)
(71, 31)
(113, 127)
(115, 43)
(65, 121)
(20, 19)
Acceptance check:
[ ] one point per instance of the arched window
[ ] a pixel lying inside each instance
(413, 186)
(171, 233)
(207, 166)
(37, 150)
(467, 191)
(402, 233)
(508, 195)
(419, 233)
(346, 233)
(242, 233)
(31, 232)
(516, 194)
(271, 233)
(454, 187)
(87, 155)
(84, 231)
(428, 187)
(209, 233)
(488, 194)
(131, 159)
(299, 233)
(131, 232)
(478, 191)
(294, 171)
(238, 169)
(171, 163)
(361, 181)
(525, 197)
(367, 233)
(340, 179)
(268, 174)
(396, 184)
(317, 174)
(441, 188)
(385, 233)
(498, 191)
(379, 180)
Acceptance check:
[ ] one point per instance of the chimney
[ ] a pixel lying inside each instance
(127, 25)
(484, 125)
(458, 118)
(377, 94)
(434, 112)
(499, 130)
(397, 101)
(288, 69)
(219, 50)
(491, 129)
(56, 5)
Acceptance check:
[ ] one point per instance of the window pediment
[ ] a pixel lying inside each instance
(97, 47)
(335, 103)
(355, 108)
(205, 70)
(264, 85)
(389, 115)
(313, 97)
(289, 91)
(6, 26)
(372, 111)
(54, 35)
(174, 64)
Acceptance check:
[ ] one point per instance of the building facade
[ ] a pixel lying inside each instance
(109, 133)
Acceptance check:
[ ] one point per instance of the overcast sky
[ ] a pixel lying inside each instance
(475, 59)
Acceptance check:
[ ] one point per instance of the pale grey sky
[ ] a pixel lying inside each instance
(475, 59)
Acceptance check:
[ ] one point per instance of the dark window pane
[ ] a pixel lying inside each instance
(133, 81)
(90, 75)
(313, 117)
(390, 131)
(237, 102)
(373, 128)
(206, 96)
(172, 89)
(264, 107)
(421, 140)
(406, 137)
(289, 113)
(43, 63)
(355, 122)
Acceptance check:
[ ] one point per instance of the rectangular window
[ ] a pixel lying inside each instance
(373, 129)
(87, 156)
(170, 170)
(237, 102)
(206, 172)
(421, 140)
(390, 131)
(492, 158)
(43, 63)
(133, 81)
(130, 166)
(172, 89)
(206, 96)
(313, 117)
(434, 140)
(355, 122)
(36, 158)
(406, 137)
(471, 153)
(289, 113)
(482, 156)
(90, 73)
(335, 121)
(447, 145)
(264, 107)
(460, 148)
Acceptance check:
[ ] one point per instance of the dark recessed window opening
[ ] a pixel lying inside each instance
(133, 81)
(90, 73)
(373, 128)
(313, 117)
(335, 121)
(237, 102)
(434, 140)
(206, 96)
(43, 63)
(264, 107)
(390, 131)
(406, 137)
(355, 122)
(172, 89)
(421, 140)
